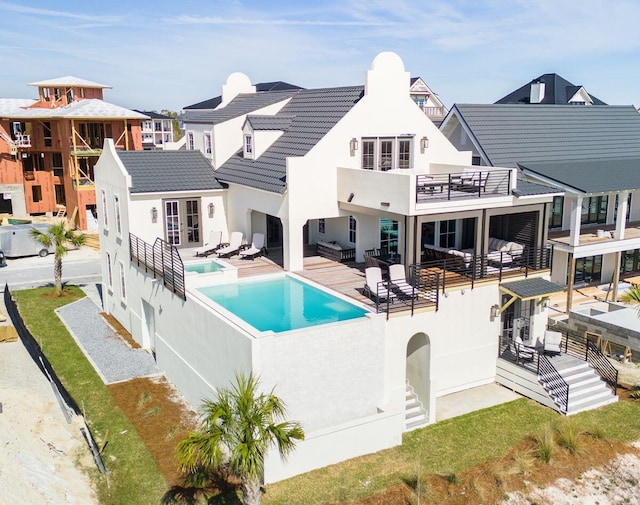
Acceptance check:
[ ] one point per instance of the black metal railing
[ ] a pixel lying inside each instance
(553, 382)
(585, 347)
(410, 295)
(470, 184)
(602, 365)
(162, 260)
(461, 269)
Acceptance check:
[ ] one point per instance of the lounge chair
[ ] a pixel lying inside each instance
(399, 282)
(214, 243)
(523, 352)
(552, 342)
(375, 287)
(256, 249)
(234, 245)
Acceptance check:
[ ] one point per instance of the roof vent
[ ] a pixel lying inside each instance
(537, 92)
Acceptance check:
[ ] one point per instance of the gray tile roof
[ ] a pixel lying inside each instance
(509, 134)
(314, 113)
(168, 171)
(153, 114)
(212, 103)
(529, 188)
(590, 176)
(557, 91)
(279, 122)
(532, 288)
(241, 104)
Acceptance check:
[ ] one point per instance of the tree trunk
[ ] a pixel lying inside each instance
(57, 275)
(251, 491)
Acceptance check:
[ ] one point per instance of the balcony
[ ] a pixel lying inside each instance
(600, 239)
(435, 112)
(405, 192)
(22, 140)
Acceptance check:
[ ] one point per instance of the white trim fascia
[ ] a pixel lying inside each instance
(454, 112)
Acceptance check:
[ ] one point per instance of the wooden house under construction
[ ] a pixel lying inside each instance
(49, 146)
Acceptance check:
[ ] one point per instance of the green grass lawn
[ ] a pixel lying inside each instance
(448, 447)
(134, 478)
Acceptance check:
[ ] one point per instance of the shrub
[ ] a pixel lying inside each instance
(544, 443)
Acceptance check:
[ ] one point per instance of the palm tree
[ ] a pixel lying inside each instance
(632, 296)
(61, 238)
(237, 430)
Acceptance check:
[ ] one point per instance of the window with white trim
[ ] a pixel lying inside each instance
(248, 145)
(352, 229)
(321, 225)
(109, 272)
(123, 287)
(116, 207)
(207, 143)
(387, 153)
(105, 216)
(190, 142)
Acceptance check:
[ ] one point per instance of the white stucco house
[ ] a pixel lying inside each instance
(349, 170)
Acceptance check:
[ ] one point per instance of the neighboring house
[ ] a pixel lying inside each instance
(49, 146)
(550, 89)
(591, 155)
(427, 100)
(346, 170)
(213, 103)
(156, 131)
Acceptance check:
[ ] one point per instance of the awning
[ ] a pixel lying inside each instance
(529, 289)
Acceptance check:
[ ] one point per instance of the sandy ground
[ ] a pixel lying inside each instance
(615, 483)
(41, 453)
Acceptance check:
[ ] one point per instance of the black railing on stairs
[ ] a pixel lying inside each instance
(554, 382)
(603, 366)
(162, 260)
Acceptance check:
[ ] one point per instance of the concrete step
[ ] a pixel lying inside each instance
(589, 396)
(593, 404)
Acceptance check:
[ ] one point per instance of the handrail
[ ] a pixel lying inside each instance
(162, 260)
(424, 292)
(601, 364)
(472, 183)
(558, 387)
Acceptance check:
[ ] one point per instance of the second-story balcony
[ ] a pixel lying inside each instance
(435, 112)
(22, 140)
(599, 239)
(405, 192)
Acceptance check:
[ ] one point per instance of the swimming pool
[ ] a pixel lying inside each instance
(281, 304)
(203, 267)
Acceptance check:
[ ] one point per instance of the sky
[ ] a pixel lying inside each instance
(169, 54)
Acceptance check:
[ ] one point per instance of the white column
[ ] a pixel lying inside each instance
(621, 216)
(292, 246)
(576, 213)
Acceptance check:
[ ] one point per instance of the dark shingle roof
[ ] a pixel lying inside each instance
(212, 103)
(532, 288)
(557, 91)
(590, 176)
(509, 134)
(167, 171)
(241, 104)
(314, 112)
(153, 114)
(279, 122)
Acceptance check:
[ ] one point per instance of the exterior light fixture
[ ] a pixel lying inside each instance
(353, 146)
(385, 204)
(351, 195)
(212, 209)
(154, 215)
(495, 310)
(424, 144)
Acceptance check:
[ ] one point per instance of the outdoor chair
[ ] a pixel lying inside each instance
(234, 245)
(399, 281)
(375, 288)
(552, 342)
(214, 243)
(256, 249)
(523, 352)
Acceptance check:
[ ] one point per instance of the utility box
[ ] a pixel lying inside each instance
(16, 241)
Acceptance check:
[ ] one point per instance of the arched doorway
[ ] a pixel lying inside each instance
(418, 369)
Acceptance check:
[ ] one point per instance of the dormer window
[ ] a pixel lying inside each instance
(207, 143)
(248, 146)
(190, 143)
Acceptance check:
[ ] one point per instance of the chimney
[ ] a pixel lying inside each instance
(537, 92)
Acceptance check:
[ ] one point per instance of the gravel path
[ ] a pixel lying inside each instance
(112, 357)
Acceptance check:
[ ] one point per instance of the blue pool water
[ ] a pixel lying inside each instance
(203, 268)
(281, 304)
